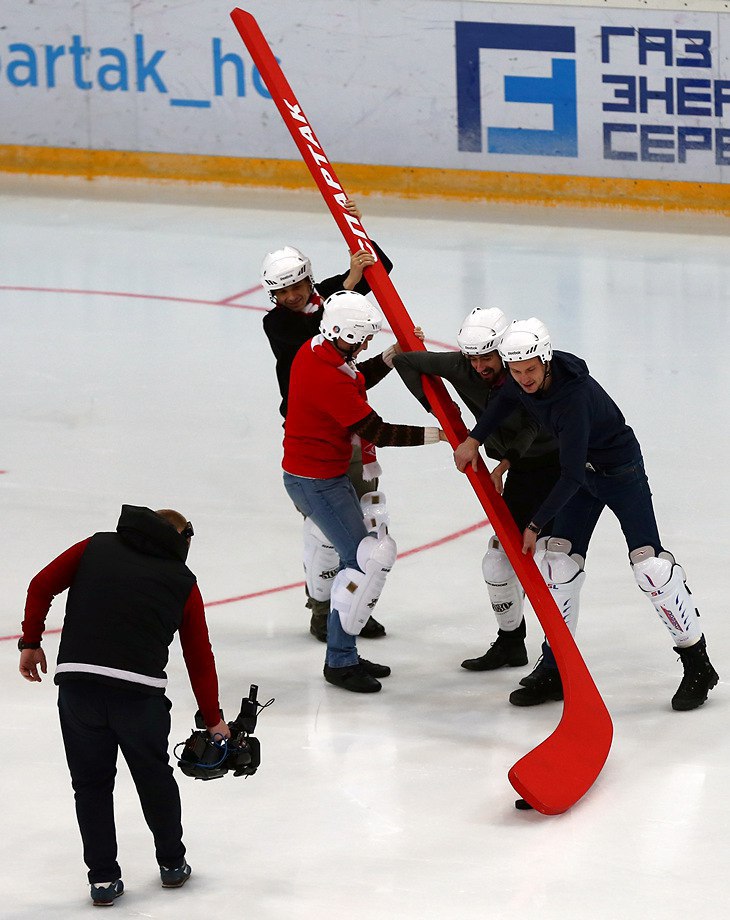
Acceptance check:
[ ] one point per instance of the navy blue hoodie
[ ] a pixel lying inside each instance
(587, 423)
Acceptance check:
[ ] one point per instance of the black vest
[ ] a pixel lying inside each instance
(125, 604)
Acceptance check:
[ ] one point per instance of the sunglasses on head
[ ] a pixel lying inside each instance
(188, 531)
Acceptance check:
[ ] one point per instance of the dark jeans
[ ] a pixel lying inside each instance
(625, 491)
(97, 720)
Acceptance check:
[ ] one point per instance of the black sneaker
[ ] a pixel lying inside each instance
(103, 894)
(699, 677)
(175, 877)
(354, 678)
(375, 670)
(542, 685)
(372, 629)
(508, 650)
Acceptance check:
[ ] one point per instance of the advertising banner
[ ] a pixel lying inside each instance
(547, 89)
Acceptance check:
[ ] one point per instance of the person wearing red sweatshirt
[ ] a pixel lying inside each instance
(328, 412)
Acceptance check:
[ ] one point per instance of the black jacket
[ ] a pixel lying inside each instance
(287, 331)
(126, 603)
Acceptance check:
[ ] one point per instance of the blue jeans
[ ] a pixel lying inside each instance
(624, 490)
(334, 507)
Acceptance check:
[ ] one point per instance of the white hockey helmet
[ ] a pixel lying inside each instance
(284, 267)
(482, 331)
(351, 317)
(525, 339)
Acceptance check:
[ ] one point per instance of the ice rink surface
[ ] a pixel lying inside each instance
(135, 370)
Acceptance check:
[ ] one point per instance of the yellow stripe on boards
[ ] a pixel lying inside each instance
(406, 182)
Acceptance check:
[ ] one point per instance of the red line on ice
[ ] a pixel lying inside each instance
(206, 303)
(228, 300)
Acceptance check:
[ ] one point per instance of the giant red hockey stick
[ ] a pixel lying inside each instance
(554, 775)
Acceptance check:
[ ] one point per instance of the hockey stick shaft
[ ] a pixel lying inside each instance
(559, 771)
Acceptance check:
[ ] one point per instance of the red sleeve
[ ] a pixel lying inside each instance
(199, 658)
(344, 403)
(55, 578)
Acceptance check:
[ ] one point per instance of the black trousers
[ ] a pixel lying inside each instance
(526, 490)
(98, 720)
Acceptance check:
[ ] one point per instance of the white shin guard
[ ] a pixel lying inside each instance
(374, 510)
(662, 581)
(355, 593)
(505, 591)
(321, 562)
(564, 576)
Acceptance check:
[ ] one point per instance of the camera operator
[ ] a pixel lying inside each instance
(129, 593)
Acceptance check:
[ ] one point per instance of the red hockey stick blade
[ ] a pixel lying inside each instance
(559, 771)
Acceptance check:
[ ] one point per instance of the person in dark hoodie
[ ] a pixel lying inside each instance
(287, 277)
(129, 593)
(527, 463)
(601, 466)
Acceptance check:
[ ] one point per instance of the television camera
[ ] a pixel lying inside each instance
(205, 757)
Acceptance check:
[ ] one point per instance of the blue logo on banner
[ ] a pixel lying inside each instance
(557, 90)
